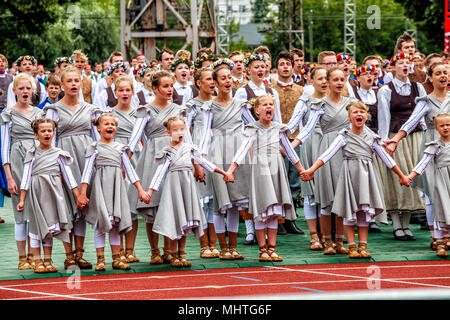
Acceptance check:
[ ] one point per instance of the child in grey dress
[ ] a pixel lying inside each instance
(180, 207)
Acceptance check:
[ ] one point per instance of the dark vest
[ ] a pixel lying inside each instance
(112, 100)
(176, 98)
(141, 97)
(36, 96)
(402, 107)
(251, 95)
(373, 110)
(4, 84)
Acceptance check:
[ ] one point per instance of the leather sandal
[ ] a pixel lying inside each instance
(353, 252)
(31, 260)
(182, 258)
(329, 250)
(82, 263)
(156, 257)
(340, 249)
(440, 250)
(130, 257)
(70, 261)
(273, 254)
(167, 256)
(24, 264)
(39, 266)
(214, 251)
(315, 243)
(206, 253)
(447, 242)
(49, 266)
(264, 255)
(362, 248)
(225, 254)
(118, 263)
(175, 261)
(433, 245)
(101, 264)
(235, 254)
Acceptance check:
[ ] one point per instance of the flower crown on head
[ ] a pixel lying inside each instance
(363, 69)
(115, 66)
(400, 56)
(175, 64)
(147, 67)
(22, 58)
(203, 58)
(254, 57)
(225, 61)
(342, 57)
(308, 68)
(138, 67)
(61, 60)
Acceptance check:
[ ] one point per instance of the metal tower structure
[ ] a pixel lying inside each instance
(223, 31)
(350, 28)
(147, 26)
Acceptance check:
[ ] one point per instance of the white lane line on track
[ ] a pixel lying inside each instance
(47, 295)
(269, 269)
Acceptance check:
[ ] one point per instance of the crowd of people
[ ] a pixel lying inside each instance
(196, 144)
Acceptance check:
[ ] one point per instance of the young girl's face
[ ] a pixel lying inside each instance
(26, 66)
(344, 65)
(443, 127)
(23, 91)
(439, 78)
(148, 79)
(320, 81)
(366, 80)
(337, 81)
(206, 82)
(266, 109)
(402, 67)
(224, 80)
(124, 92)
(357, 117)
(71, 84)
(165, 88)
(117, 73)
(182, 73)
(177, 131)
(107, 127)
(45, 134)
(257, 70)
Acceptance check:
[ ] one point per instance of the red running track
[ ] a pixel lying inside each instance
(249, 283)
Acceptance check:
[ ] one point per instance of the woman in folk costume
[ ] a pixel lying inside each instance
(331, 116)
(17, 138)
(438, 153)
(318, 77)
(396, 102)
(75, 132)
(45, 166)
(149, 121)
(205, 82)
(359, 195)
(180, 209)
(108, 209)
(427, 107)
(222, 134)
(145, 74)
(270, 196)
(183, 90)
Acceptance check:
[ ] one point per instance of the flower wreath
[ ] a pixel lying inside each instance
(225, 61)
(147, 67)
(308, 68)
(61, 60)
(363, 69)
(400, 56)
(340, 57)
(22, 58)
(254, 57)
(115, 66)
(203, 58)
(175, 64)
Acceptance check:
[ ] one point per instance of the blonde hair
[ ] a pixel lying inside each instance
(69, 70)
(440, 116)
(256, 102)
(36, 122)
(168, 122)
(124, 79)
(183, 54)
(79, 54)
(24, 76)
(96, 122)
(358, 105)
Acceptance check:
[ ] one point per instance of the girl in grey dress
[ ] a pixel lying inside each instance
(205, 82)
(438, 153)
(17, 139)
(222, 135)
(74, 134)
(180, 209)
(108, 210)
(332, 117)
(42, 186)
(269, 195)
(359, 195)
(149, 121)
(438, 101)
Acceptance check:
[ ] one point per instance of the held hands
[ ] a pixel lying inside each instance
(228, 177)
(390, 146)
(405, 181)
(307, 175)
(145, 196)
(199, 174)
(82, 201)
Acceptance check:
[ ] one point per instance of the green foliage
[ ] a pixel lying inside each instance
(260, 8)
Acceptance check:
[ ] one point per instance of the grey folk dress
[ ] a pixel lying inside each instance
(180, 209)
(49, 213)
(17, 139)
(359, 187)
(269, 193)
(74, 134)
(438, 153)
(149, 120)
(222, 136)
(108, 202)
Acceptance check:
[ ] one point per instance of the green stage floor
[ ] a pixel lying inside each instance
(293, 248)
